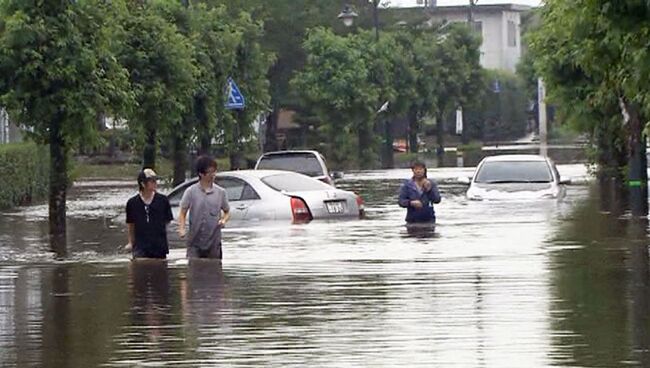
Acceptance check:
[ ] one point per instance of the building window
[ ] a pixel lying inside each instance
(512, 34)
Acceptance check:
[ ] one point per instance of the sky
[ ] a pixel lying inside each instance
(465, 2)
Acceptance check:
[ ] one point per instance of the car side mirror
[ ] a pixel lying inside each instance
(465, 180)
(565, 180)
(337, 174)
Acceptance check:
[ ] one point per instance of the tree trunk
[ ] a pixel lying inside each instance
(180, 159)
(237, 154)
(363, 147)
(149, 155)
(637, 162)
(270, 137)
(58, 187)
(413, 130)
(440, 135)
(387, 159)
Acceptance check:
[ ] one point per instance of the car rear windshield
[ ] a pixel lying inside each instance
(293, 183)
(514, 172)
(304, 163)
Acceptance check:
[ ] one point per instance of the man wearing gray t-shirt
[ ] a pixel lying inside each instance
(205, 202)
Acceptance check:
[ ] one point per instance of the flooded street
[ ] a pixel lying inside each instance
(496, 284)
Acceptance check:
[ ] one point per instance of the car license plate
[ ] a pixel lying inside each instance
(335, 207)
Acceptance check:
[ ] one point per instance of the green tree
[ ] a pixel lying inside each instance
(461, 76)
(285, 27)
(159, 60)
(249, 71)
(215, 39)
(58, 73)
(336, 79)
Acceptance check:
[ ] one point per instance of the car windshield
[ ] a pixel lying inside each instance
(514, 172)
(293, 183)
(304, 163)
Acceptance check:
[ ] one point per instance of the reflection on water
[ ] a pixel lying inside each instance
(493, 284)
(421, 230)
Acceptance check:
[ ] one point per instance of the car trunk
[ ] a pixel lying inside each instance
(328, 204)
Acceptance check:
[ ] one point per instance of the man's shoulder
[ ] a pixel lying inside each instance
(160, 197)
(133, 199)
(221, 190)
(193, 187)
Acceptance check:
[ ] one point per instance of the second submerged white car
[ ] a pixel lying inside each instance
(516, 177)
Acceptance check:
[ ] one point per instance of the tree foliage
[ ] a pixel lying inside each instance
(421, 73)
(594, 57)
(162, 72)
(58, 74)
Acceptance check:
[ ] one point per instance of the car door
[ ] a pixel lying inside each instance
(175, 197)
(242, 198)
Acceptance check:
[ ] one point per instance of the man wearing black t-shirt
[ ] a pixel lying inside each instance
(147, 216)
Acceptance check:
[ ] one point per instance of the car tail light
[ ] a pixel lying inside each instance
(361, 205)
(300, 211)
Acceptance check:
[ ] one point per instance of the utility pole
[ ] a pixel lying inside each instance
(543, 127)
(470, 13)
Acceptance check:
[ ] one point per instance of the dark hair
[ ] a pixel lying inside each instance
(418, 163)
(203, 163)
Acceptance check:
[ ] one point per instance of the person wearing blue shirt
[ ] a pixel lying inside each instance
(418, 195)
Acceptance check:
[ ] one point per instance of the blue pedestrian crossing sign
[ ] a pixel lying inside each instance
(235, 99)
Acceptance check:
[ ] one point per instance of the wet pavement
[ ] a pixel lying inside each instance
(495, 284)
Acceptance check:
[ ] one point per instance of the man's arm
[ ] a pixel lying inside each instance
(224, 218)
(131, 234)
(168, 212)
(130, 226)
(403, 199)
(182, 215)
(225, 208)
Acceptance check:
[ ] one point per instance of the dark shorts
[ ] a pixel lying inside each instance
(212, 252)
(144, 253)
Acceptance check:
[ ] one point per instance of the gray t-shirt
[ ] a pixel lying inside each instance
(204, 214)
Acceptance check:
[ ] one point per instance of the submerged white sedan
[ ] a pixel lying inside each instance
(516, 177)
(268, 195)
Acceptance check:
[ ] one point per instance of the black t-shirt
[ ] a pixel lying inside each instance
(150, 224)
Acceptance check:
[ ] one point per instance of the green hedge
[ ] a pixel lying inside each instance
(24, 169)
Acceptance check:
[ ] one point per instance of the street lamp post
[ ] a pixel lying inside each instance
(347, 16)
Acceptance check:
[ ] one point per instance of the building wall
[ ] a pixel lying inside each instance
(497, 27)
(511, 51)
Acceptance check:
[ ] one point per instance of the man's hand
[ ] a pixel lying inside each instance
(128, 247)
(182, 232)
(427, 185)
(222, 222)
(416, 203)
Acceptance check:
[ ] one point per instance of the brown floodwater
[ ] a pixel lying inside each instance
(496, 284)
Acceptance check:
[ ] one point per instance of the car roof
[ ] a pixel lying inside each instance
(243, 174)
(515, 158)
(290, 152)
(256, 173)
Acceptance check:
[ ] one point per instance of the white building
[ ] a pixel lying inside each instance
(499, 25)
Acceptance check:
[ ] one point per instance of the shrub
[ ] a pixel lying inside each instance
(25, 173)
